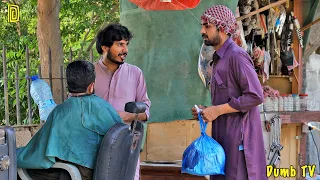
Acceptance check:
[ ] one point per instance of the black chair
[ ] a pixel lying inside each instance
(8, 165)
(118, 153)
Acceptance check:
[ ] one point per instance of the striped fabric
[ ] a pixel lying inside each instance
(222, 17)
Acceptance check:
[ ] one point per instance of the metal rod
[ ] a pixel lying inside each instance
(28, 87)
(17, 96)
(50, 68)
(91, 55)
(24, 78)
(6, 97)
(70, 55)
(62, 84)
(39, 72)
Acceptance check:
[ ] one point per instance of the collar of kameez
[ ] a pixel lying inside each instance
(105, 68)
(222, 51)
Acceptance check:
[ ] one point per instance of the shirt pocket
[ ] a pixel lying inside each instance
(220, 86)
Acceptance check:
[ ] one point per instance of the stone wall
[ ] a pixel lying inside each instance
(24, 134)
(311, 86)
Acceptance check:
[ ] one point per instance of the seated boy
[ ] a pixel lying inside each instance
(73, 130)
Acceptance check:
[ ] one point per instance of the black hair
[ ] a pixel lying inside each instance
(80, 74)
(113, 32)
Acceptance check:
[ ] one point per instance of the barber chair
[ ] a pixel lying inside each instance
(8, 166)
(118, 153)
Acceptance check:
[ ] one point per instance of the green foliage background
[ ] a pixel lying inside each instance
(80, 20)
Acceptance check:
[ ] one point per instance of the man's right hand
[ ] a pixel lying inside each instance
(194, 111)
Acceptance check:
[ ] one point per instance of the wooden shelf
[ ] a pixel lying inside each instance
(276, 76)
(165, 171)
(299, 116)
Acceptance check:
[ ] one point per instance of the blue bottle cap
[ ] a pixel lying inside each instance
(35, 77)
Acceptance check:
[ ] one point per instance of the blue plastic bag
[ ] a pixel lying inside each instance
(204, 156)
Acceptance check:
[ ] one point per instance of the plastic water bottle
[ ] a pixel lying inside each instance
(268, 105)
(290, 101)
(42, 96)
(280, 103)
(296, 102)
(285, 102)
(275, 104)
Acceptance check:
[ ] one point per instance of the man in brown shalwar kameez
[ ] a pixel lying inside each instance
(236, 93)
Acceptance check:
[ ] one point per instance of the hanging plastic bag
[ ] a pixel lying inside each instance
(204, 156)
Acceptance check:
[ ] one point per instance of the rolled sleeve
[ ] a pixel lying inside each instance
(142, 95)
(248, 81)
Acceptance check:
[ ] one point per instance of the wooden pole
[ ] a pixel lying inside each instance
(309, 25)
(261, 10)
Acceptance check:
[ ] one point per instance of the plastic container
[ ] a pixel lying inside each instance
(296, 102)
(275, 102)
(290, 102)
(285, 102)
(261, 107)
(41, 94)
(303, 102)
(280, 103)
(268, 105)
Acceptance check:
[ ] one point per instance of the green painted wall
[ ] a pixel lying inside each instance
(166, 46)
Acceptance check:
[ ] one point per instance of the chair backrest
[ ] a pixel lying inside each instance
(8, 162)
(120, 148)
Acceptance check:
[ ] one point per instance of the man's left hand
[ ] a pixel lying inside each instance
(126, 116)
(210, 113)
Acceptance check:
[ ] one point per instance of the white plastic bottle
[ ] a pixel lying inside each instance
(41, 93)
(268, 106)
(276, 104)
(296, 101)
(290, 100)
(285, 102)
(280, 104)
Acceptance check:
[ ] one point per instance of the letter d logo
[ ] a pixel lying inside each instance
(13, 13)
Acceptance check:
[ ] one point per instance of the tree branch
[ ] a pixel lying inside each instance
(114, 9)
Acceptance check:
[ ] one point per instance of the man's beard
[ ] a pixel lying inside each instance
(212, 42)
(112, 58)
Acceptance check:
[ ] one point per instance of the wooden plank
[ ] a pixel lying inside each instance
(288, 154)
(297, 79)
(300, 117)
(149, 172)
(143, 154)
(262, 9)
(281, 83)
(168, 141)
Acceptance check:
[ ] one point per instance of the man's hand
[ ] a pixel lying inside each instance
(211, 113)
(126, 116)
(194, 111)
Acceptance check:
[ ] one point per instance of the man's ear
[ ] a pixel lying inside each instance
(90, 88)
(105, 48)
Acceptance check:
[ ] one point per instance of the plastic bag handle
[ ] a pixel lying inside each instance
(203, 125)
